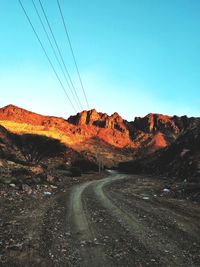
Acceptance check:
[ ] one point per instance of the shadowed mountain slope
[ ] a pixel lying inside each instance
(114, 138)
(181, 159)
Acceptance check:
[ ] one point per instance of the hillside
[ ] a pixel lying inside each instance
(110, 138)
(181, 159)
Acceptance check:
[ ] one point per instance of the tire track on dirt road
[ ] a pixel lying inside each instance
(91, 253)
(166, 251)
(164, 224)
(154, 210)
(161, 246)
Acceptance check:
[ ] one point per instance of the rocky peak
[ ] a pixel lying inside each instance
(20, 115)
(10, 109)
(82, 118)
(115, 115)
(115, 121)
(155, 122)
(16, 114)
(85, 117)
(102, 120)
(92, 116)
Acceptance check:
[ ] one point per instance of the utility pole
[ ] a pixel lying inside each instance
(102, 166)
(99, 162)
(99, 166)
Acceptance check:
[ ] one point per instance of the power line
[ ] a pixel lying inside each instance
(58, 49)
(72, 52)
(53, 49)
(49, 60)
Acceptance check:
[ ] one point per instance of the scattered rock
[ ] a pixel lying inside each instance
(47, 194)
(50, 178)
(145, 198)
(53, 186)
(37, 169)
(166, 190)
(17, 246)
(27, 188)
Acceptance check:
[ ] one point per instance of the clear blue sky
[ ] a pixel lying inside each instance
(135, 56)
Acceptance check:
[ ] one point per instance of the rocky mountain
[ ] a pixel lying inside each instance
(101, 120)
(102, 141)
(20, 115)
(180, 159)
(110, 138)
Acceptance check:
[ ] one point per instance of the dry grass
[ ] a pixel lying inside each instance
(108, 153)
(22, 128)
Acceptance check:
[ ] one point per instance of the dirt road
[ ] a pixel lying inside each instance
(111, 220)
(122, 221)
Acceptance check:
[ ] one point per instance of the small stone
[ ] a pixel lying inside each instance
(166, 190)
(47, 194)
(26, 188)
(50, 178)
(53, 186)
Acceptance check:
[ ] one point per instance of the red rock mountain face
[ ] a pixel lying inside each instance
(180, 160)
(88, 129)
(20, 115)
(101, 120)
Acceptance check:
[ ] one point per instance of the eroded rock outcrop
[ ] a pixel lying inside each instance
(140, 137)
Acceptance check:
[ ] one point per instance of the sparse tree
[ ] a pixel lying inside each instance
(35, 148)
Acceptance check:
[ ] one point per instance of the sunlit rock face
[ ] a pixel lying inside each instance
(95, 131)
(156, 122)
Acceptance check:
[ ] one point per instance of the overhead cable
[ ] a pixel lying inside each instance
(55, 54)
(59, 51)
(72, 52)
(45, 52)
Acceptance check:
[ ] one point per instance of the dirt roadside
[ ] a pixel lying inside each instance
(33, 224)
(118, 220)
(133, 221)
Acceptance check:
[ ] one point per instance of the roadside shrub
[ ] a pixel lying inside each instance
(62, 166)
(75, 171)
(130, 167)
(36, 148)
(44, 166)
(21, 172)
(85, 165)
